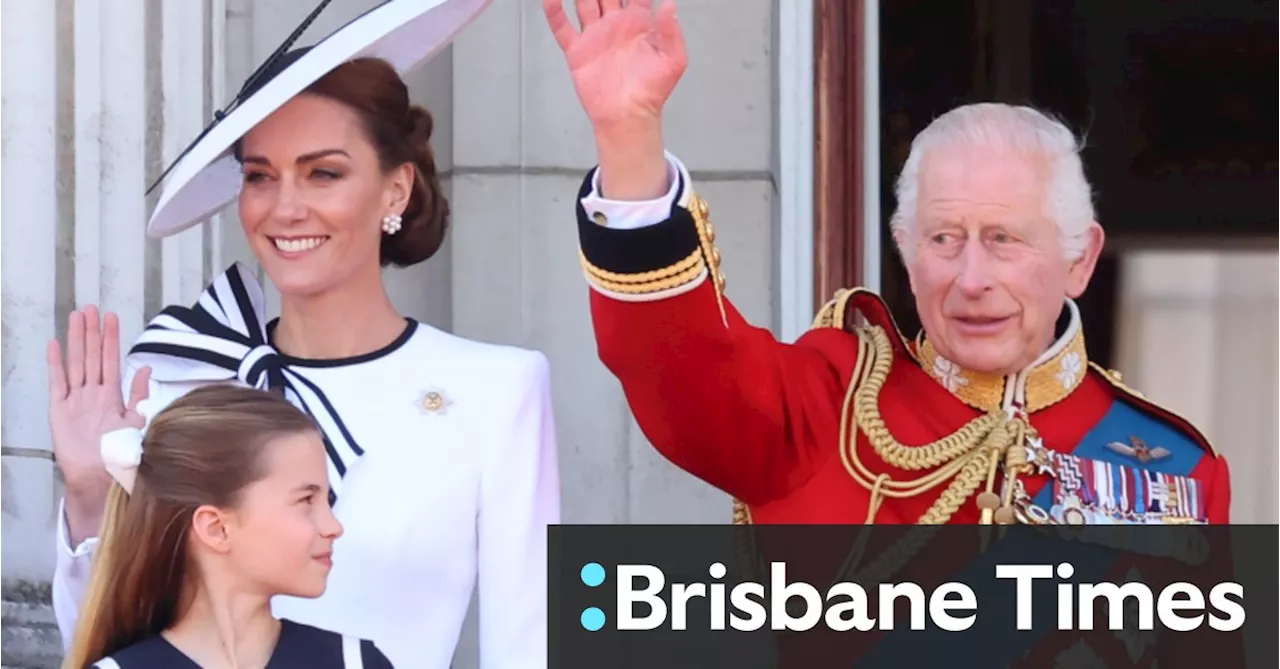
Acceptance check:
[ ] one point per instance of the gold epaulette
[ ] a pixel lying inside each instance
(832, 314)
(872, 308)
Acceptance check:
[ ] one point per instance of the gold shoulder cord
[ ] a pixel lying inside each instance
(972, 454)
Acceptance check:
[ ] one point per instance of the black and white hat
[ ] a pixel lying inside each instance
(405, 33)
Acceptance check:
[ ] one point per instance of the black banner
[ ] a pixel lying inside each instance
(913, 596)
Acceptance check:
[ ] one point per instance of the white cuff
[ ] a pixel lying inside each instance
(84, 548)
(70, 577)
(623, 215)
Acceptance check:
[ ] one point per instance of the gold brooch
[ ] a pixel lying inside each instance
(434, 401)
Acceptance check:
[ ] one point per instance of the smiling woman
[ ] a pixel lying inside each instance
(441, 451)
(336, 167)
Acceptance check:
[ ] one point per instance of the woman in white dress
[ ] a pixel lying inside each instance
(441, 451)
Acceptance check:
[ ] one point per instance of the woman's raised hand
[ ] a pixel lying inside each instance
(85, 402)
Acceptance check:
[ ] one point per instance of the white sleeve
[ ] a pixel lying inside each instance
(73, 566)
(519, 499)
(70, 577)
(631, 215)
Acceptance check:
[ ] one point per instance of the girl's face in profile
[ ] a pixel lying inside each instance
(283, 530)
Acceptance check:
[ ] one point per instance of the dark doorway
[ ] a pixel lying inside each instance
(1176, 97)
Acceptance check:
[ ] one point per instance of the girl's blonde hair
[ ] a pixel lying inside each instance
(203, 449)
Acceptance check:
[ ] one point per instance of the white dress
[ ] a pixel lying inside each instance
(456, 484)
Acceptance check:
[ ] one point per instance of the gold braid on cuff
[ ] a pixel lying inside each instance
(705, 258)
(640, 283)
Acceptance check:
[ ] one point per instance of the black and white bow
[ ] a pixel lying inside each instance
(223, 337)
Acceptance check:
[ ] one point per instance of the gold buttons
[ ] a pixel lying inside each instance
(700, 212)
(700, 207)
(600, 218)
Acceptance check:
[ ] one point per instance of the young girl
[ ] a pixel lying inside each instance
(218, 506)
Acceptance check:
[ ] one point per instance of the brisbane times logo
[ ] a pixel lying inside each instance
(645, 600)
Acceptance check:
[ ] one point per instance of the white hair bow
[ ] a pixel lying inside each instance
(122, 449)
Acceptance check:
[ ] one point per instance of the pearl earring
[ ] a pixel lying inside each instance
(391, 224)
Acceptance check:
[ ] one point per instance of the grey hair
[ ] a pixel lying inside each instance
(1002, 126)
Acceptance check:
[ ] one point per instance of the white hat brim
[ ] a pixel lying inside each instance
(405, 33)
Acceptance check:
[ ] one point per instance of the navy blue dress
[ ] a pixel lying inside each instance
(299, 647)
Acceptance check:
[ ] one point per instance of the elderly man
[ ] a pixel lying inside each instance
(993, 414)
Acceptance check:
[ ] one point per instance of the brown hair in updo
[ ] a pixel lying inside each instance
(401, 133)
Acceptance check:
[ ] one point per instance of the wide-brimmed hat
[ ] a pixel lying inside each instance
(405, 33)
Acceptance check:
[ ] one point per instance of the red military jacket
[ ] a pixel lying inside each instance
(763, 420)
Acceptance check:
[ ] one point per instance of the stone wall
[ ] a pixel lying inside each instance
(29, 638)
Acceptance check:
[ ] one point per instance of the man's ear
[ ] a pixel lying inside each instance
(1081, 270)
(211, 526)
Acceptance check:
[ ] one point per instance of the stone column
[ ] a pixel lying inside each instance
(30, 293)
(30, 233)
